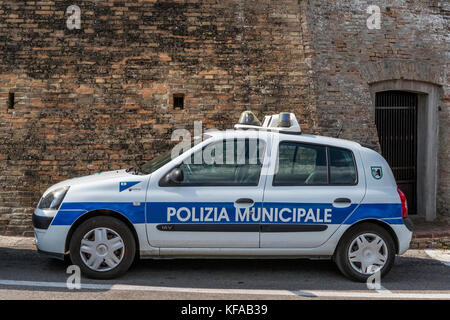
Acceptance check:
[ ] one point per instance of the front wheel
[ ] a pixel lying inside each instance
(364, 250)
(103, 247)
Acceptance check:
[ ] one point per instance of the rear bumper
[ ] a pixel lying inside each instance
(404, 236)
(409, 224)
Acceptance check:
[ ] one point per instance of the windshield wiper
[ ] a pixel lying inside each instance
(131, 170)
(135, 170)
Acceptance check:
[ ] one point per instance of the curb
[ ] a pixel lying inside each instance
(431, 236)
(427, 242)
(17, 242)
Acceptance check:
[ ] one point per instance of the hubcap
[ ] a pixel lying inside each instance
(102, 249)
(367, 253)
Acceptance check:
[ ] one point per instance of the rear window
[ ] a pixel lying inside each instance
(301, 164)
(342, 166)
(307, 164)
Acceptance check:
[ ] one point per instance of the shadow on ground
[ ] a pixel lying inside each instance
(408, 273)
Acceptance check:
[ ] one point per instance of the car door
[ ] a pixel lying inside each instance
(310, 191)
(205, 209)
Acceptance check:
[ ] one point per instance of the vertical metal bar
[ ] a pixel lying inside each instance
(401, 133)
(416, 105)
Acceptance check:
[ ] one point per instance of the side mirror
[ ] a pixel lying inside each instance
(173, 178)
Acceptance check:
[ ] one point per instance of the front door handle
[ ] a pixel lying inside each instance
(244, 203)
(342, 202)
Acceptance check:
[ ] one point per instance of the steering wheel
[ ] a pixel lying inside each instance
(188, 167)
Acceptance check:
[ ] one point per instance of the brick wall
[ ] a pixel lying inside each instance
(97, 98)
(411, 44)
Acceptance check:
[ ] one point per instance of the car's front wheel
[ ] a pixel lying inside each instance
(103, 247)
(364, 250)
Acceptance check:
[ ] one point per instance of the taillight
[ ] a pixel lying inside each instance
(404, 203)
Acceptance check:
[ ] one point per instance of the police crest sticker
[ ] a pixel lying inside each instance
(377, 172)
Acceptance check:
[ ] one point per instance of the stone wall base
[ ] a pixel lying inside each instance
(430, 243)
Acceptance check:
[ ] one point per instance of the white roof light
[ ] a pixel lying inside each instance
(249, 118)
(284, 122)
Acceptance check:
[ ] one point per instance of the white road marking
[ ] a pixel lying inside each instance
(441, 255)
(310, 293)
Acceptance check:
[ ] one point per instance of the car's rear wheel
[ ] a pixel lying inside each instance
(364, 250)
(103, 247)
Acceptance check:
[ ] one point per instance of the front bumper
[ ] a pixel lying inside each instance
(58, 256)
(49, 239)
(41, 221)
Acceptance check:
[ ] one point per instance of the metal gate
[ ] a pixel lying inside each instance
(396, 121)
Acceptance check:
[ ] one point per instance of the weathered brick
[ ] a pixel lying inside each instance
(85, 97)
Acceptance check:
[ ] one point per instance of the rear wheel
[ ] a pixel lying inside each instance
(103, 247)
(364, 250)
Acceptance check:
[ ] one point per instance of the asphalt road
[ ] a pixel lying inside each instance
(24, 274)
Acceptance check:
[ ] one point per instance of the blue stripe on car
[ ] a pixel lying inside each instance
(157, 211)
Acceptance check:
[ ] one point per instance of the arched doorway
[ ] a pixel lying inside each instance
(406, 118)
(396, 122)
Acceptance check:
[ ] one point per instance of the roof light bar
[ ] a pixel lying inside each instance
(283, 122)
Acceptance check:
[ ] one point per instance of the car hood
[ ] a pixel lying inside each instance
(91, 178)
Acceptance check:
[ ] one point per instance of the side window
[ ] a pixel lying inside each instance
(231, 162)
(342, 166)
(301, 164)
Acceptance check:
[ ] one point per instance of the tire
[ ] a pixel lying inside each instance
(369, 232)
(99, 258)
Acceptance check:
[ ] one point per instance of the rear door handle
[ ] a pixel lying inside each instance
(342, 202)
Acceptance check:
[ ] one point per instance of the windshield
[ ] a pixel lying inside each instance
(159, 161)
(156, 163)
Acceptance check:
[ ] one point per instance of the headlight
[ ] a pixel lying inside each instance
(53, 200)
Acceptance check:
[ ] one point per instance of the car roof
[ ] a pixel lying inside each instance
(306, 138)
